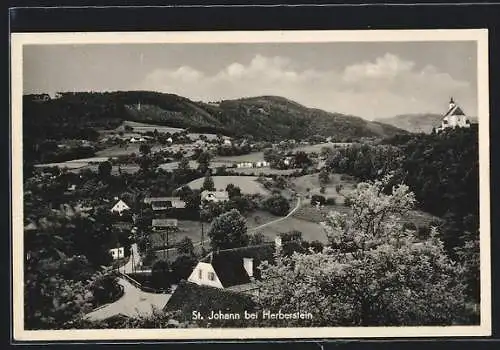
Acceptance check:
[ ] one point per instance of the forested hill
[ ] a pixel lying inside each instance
(78, 115)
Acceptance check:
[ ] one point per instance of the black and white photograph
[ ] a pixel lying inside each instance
(222, 185)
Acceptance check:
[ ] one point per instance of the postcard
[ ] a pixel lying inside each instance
(250, 185)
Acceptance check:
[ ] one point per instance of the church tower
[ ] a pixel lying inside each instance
(454, 117)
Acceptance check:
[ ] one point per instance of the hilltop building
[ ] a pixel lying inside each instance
(454, 118)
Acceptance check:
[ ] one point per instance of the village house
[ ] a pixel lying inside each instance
(117, 253)
(165, 203)
(234, 269)
(454, 117)
(214, 196)
(120, 207)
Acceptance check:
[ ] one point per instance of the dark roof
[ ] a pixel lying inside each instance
(189, 296)
(454, 111)
(228, 263)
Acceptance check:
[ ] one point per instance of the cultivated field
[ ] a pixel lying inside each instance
(247, 184)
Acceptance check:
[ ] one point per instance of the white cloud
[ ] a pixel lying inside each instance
(386, 86)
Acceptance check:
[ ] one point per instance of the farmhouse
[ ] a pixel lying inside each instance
(230, 268)
(454, 117)
(214, 196)
(165, 203)
(120, 207)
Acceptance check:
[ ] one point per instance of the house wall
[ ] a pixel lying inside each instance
(248, 265)
(204, 281)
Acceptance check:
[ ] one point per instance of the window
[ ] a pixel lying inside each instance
(211, 276)
(200, 274)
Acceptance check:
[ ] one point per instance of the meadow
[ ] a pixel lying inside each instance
(247, 184)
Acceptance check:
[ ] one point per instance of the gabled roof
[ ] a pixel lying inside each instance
(454, 111)
(228, 263)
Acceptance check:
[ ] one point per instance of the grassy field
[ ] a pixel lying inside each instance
(247, 184)
(317, 147)
(303, 183)
(129, 148)
(251, 157)
(311, 231)
(143, 127)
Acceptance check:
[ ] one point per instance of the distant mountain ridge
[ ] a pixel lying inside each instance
(263, 117)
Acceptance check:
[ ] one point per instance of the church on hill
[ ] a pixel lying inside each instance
(454, 118)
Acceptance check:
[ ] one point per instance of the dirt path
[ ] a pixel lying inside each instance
(297, 206)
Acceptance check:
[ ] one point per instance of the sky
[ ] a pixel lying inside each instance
(368, 79)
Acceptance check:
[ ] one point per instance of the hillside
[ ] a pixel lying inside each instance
(78, 115)
(419, 122)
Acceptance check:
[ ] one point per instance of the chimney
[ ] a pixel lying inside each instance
(248, 265)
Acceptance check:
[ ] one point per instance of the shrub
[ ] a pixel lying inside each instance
(277, 205)
(330, 201)
(318, 199)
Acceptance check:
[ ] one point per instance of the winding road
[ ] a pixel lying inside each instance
(133, 303)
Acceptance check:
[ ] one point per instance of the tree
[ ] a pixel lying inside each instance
(145, 149)
(315, 199)
(208, 183)
(184, 164)
(161, 276)
(302, 160)
(185, 246)
(233, 191)
(256, 238)
(204, 161)
(182, 267)
(104, 169)
(228, 230)
(324, 177)
(373, 274)
(277, 205)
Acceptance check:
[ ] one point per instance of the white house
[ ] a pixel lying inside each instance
(120, 207)
(227, 142)
(117, 253)
(214, 196)
(454, 117)
(232, 267)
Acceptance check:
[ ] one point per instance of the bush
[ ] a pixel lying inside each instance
(277, 205)
(330, 201)
(315, 199)
(409, 226)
